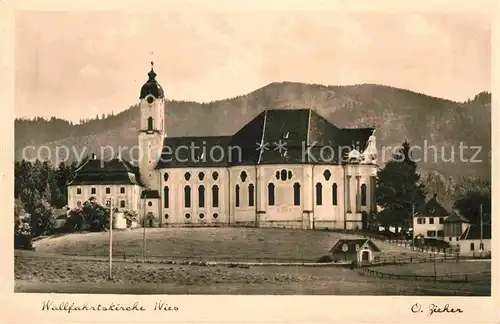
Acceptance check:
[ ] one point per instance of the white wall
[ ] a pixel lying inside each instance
(177, 210)
(284, 212)
(131, 195)
(244, 214)
(327, 215)
(466, 250)
(355, 176)
(421, 229)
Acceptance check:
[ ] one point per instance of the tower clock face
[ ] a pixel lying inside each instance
(150, 100)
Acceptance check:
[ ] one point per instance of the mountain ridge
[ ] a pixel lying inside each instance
(398, 114)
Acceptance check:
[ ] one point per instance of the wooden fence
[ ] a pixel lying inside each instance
(441, 278)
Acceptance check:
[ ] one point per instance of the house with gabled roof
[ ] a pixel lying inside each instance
(284, 168)
(102, 180)
(355, 250)
(428, 222)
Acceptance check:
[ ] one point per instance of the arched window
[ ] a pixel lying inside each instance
(319, 194)
(150, 123)
(296, 194)
(334, 194)
(165, 176)
(165, 197)
(215, 196)
(270, 194)
(187, 196)
(472, 246)
(237, 196)
(251, 194)
(363, 194)
(201, 196)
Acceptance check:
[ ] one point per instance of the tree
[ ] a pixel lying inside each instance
(75, 222)
(469, 205)
(19, 212)
(398, 188)
(131, 216)
(96, 216)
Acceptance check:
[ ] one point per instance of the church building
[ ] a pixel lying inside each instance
(285, 168)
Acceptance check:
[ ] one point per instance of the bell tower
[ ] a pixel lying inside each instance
(151, 129)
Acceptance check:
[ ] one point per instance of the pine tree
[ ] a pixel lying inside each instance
(398, 189)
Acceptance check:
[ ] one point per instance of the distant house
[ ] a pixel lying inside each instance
(472, 243)
(359, 251)
(454, 226)
(428, 223)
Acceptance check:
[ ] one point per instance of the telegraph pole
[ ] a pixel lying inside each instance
(481, 246)
(144, 231)
(109, 202)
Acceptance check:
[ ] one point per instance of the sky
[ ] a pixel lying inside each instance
(75, 65)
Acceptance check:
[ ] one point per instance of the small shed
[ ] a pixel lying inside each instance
(360, 251)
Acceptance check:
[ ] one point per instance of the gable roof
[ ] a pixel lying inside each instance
(473, 232)
(456, 217)
(352, 244)
(150, 194)
(97, 171)
(298, 129)
(432, 209)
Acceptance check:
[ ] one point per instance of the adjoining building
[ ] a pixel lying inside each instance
(454, 226)
(476, 241)
(285, 168)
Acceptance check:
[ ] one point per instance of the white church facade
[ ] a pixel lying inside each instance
(285, 168)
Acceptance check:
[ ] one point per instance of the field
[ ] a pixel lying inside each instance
(84, 268)
(209, 244)
(48, 273)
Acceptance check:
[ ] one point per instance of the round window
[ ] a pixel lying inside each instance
(166, 216)
(215, 175)
(187, 216)
(243, 176)
(165, 176)
(202, 216)
(327, 174)
(187, 176)
(150, 204)
(201, 176)
(215, 215)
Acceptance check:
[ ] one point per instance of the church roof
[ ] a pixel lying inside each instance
(97, 171)
(299, 130)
